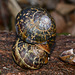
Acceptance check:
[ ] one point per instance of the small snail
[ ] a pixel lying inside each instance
(68, 56)
(36, 32)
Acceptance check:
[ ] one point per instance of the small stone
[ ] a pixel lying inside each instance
(64, 8)
(19, 73)
(5, 68)
(60, 22)
(9, 74)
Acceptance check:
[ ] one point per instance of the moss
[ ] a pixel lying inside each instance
(0, 71)
(62, 34)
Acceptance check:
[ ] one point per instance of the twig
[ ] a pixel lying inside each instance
(3, 16)
(14, 7)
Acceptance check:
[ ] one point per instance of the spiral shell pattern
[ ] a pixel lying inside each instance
(34, 25)
(36, 32)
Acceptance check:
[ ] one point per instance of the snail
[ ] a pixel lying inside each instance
(36, 32)
(34, 25)
(29, 56)
(68, 56)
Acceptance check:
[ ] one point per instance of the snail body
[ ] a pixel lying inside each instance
(36, 32)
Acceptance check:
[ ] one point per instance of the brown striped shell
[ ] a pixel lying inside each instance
(35, 25)
(29, 56)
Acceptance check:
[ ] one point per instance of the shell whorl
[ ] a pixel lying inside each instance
(34, 25)
(30, 56)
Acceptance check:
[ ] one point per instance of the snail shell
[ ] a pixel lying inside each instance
(36, 32)
(34, 25)
(29, 56)
(68, 56)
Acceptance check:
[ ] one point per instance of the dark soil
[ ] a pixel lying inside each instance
(54, 67)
